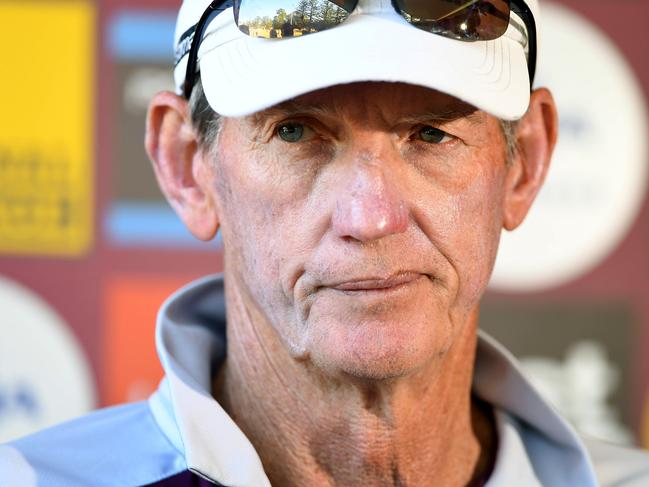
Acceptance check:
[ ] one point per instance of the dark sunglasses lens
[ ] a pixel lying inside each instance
(467, 20)
(290, 18)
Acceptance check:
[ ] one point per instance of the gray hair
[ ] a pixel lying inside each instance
(207, 124)
(508, 129)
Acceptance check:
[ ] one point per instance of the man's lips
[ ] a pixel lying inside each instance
(376, 283)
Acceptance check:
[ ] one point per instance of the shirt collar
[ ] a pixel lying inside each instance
(536, 446)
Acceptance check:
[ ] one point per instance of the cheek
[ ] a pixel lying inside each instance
(260, 226)
(249, 229)
(478, 220)
(462, 216)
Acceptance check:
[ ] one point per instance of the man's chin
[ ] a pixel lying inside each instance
(377, 356)
(376, 372)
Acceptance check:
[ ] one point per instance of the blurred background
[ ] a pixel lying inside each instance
(89, 249)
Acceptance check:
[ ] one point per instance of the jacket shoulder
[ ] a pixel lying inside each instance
(618, 466)
(117, 446)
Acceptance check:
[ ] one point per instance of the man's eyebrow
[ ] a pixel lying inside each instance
(295, 107)
(290, 108)
(470, 114)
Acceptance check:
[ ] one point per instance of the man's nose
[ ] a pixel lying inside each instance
(370, 205)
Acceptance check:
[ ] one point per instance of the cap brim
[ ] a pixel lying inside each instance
(243, 75)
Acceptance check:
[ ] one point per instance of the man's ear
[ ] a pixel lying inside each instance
(183, 174)
(536, 136)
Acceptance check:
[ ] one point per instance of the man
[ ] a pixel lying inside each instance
(360, 175)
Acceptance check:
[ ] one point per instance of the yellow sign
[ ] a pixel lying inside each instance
(47, 127)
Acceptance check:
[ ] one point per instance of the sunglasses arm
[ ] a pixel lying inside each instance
(217, 6)
(520, 8)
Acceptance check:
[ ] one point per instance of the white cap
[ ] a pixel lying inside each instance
(242, 75)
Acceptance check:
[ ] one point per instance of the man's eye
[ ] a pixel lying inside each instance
(433, 135)
(293, 132)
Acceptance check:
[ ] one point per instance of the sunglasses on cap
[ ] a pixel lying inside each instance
(462, 20)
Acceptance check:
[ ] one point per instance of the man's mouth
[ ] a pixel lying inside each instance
(369, 284)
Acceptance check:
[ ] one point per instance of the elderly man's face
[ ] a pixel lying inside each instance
(362, 221)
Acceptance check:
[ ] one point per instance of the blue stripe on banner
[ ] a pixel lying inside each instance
(136, 224)
(140, 35)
